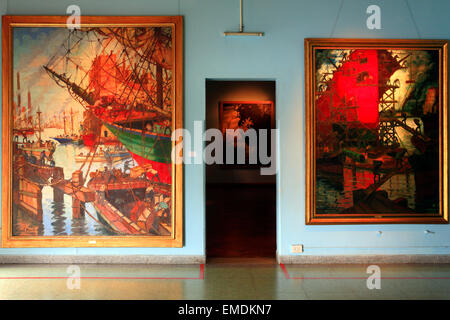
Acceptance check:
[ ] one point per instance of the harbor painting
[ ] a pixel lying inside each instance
(92, 111)
(376, 131)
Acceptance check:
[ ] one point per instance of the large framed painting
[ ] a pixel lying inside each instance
(376, 131)
(245, 115)
(88, 114)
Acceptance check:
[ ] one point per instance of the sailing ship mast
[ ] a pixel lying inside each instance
(75, 90)
(19, 102)
(38, 112)
(71, 120)
(150, 47)
(64, 119)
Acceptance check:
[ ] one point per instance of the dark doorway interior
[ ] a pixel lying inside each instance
(240, 202)
(240, 220)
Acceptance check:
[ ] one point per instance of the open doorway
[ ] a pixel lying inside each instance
(240, 202)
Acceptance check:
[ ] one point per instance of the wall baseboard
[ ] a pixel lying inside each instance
(104, 259)
(364, 259)
(201, 259)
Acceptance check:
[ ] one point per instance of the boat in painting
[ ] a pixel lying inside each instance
(126, 202)
(107, 155)
(65, 138)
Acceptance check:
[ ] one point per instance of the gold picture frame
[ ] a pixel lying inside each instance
(128, 32)
(347, 145)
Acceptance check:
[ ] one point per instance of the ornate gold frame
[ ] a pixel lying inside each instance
(10, 241)
(312, 218)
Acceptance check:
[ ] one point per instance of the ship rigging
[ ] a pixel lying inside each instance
(127, 87)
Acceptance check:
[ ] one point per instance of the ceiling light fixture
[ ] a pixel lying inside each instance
(241, 28)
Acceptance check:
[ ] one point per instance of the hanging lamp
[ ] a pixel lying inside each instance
(241, 28)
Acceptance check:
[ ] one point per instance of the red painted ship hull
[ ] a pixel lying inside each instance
(164, 169)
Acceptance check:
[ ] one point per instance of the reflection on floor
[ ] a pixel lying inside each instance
(223, 279)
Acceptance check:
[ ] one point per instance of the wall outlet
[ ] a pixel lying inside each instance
(297, 248)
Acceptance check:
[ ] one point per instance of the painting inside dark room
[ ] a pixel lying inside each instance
(245, 115)
(377, 120)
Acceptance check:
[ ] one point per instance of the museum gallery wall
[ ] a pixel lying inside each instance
(88, 116)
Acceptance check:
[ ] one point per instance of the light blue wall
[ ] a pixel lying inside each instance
(278, 55)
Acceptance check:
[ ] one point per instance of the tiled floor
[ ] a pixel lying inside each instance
(222, 280)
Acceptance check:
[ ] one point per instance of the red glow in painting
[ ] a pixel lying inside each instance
(376, 113)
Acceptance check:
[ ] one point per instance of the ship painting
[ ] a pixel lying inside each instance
(94, 157)
(377, 132)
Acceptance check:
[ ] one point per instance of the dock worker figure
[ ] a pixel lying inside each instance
(377, 170)
(147, 168)
(152, 224)
(42, 158)
(25, 155)
(102, 193)
(163, 208)
(404, 117)
(112, 176)
(167, 127)
(149, 127)
(155, 174)
(150, 195)
(419, 125)
(105, 172)
(126, 167)
(107, 155)
(399, 158)
(32, 159)
(147, 219)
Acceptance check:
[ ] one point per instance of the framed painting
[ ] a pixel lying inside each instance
(376, 131)
(245, 115)
(88, 114)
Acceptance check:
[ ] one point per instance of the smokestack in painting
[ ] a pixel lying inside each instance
(19, 103)
(29, 103)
